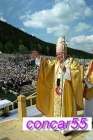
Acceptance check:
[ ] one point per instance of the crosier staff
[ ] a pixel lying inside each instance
(63, 60)
(62, 65)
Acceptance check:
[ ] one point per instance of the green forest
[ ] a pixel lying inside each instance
(14, 40)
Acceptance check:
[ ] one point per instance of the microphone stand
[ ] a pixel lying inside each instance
(62, 89)
(62, 86)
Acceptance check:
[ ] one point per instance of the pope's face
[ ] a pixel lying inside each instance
(60, 56)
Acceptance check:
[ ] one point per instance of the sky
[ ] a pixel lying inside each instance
(50, 19)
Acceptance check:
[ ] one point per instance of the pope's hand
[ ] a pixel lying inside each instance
(83, 81)
(35, 53)
(63, 68)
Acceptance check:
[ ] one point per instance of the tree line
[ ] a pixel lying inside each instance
(14, 40)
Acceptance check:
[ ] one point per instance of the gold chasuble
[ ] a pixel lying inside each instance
(89, 74)
(47, 100)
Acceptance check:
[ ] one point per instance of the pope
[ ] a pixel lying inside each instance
(59, 85)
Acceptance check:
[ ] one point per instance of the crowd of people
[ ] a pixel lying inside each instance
(17, 71)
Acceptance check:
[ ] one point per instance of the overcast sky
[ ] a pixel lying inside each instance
(50, 19)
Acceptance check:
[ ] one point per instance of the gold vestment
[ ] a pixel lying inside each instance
(89, 74)
(46, 88)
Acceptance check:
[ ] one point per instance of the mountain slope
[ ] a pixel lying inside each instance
(11, 38)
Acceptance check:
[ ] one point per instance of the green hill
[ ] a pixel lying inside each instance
(14, 40)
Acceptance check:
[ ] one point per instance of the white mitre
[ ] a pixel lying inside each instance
(61, 45)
